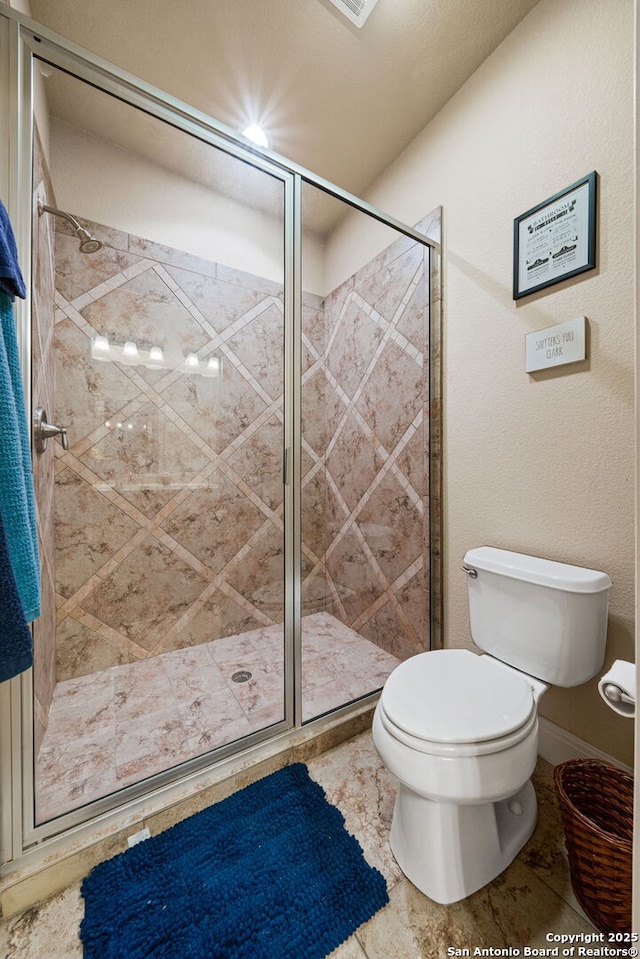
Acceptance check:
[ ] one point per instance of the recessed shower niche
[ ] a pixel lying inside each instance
(238, 539)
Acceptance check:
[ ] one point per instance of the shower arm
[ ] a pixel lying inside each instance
(88, 243)
(43, 208)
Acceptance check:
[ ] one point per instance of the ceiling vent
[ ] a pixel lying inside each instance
(355, 10)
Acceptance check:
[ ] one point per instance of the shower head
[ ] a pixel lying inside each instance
(88, 243)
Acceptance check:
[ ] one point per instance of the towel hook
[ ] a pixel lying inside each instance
(42, 431)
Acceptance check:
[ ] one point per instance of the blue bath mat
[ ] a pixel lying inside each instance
(268, 873)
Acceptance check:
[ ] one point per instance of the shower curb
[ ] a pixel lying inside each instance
(64, 860)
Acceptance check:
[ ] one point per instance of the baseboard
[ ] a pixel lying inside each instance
(556, 745)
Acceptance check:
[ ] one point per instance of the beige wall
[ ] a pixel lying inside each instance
(541, 464)
(95, 179)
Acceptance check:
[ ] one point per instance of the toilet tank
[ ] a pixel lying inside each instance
(547, 619)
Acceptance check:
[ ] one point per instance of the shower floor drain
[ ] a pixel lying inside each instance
(242, 676)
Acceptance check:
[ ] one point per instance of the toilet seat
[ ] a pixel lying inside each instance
(452, 702)
(456, 750)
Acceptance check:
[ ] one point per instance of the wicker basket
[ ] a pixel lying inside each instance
(596, 803)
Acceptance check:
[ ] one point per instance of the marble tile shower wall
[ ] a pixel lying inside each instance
(169, 505)
(373, 481)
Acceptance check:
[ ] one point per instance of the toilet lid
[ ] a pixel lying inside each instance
(454, 696)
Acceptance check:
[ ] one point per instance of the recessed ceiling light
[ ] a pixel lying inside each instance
(256, 134)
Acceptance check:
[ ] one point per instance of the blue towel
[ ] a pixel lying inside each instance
(11, 281)
(17, 500)
(16, 646)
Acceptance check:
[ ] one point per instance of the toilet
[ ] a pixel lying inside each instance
(460, 730)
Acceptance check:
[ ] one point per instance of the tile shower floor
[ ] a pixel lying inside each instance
(115, 727)
(531, 899)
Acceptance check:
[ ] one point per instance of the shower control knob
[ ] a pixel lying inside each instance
(42, 431)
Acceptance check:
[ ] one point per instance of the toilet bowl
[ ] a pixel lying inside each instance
(463, 759)
(460, 730)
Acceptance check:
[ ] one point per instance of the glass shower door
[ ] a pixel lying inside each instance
(159, 348)
(365, 448)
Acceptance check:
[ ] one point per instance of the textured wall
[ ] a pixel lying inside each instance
(544, 463)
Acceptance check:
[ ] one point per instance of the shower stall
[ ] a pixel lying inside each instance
(233, 369)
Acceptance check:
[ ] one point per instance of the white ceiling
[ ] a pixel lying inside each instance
(340, 100)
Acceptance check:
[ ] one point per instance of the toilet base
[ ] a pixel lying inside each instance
(450, 850)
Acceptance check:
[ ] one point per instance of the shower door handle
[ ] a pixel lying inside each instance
(42, 431)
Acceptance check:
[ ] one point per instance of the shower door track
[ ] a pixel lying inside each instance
(22, 40)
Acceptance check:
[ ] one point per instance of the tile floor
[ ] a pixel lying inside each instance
(530, 899)
(117, 726)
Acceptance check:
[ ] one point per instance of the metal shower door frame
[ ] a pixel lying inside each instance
(21, 42)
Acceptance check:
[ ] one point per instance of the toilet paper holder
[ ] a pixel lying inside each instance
(617, 695)
(618, 688)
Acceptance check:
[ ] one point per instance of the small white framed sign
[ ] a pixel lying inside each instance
(556, 345)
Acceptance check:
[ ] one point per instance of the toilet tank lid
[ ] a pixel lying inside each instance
(543, 572)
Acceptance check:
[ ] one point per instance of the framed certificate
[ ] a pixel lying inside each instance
(556, 239)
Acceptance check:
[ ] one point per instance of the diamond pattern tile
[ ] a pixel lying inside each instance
(87, 393)
(213, 520)
(146, 311)
(146, 458)
(393, 528)
(217, 410)
(120, 725)
(221, 303)
(354, 345)
(75, 274)
(89, 530)
(146, 593)
(354, 460)
(258, 462)
(189, 484)
(259, 348)
(395, 374)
